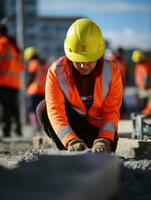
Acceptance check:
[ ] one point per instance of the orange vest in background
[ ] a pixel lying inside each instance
(38, 84)
(143, 75)
(11, 64)
(143, 81)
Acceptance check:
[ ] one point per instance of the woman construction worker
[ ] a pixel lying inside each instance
(36, 77)
(143, 78)
(83, 93)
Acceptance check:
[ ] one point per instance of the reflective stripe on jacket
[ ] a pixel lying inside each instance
(38, 84)
(11, 64)
(103, 113)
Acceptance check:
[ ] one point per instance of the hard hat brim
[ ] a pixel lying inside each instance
(75, 57)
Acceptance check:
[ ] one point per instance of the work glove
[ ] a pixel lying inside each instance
(76, 145)
(101, 145)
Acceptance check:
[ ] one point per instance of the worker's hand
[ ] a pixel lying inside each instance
(76, 145)
(101, 145)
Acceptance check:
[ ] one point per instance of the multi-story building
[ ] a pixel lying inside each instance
(45, 33)
(51, 34)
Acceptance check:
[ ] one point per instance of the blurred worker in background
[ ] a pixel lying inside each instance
(143, 77)
(10, 74)
(83, 93)
(121, 63)
(36, 77)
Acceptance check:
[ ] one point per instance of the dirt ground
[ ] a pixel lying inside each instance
(135, 170)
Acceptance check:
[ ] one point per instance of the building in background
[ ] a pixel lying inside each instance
(51, 34)
(44, 33)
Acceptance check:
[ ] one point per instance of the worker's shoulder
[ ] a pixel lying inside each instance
(57, 63)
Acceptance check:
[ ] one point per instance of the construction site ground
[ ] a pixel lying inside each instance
(134, 158)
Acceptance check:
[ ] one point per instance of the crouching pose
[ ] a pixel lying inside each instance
(83, 93)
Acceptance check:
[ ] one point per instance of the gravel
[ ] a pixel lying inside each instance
(135, 174)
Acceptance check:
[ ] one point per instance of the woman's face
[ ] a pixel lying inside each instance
(85, 68)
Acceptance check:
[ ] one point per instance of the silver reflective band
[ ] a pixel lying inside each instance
(85, 114)
(108, 126)
(61, 79)
(6, 72)
(63, 131)
(79, 111)
(106, 77)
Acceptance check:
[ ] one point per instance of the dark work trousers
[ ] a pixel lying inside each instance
(80, 126)
(33, 100)
(9, 99)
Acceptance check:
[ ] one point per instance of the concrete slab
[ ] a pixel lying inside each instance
(63, 177)
(131, 148)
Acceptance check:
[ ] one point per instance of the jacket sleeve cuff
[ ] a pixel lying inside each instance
(67, 138)
(106, 134)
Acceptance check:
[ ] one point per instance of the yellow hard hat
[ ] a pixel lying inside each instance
(138, 56)
(29, 52)
(84, 41)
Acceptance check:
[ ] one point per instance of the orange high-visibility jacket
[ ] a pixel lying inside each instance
(38, 84)
(143, 81)
(11, 64)
(104, 112)
(143, 75)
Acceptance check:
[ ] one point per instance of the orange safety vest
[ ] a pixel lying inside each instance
(104, 112)
(11, 64)
(38, 84)
(143, 81)
(143, 75)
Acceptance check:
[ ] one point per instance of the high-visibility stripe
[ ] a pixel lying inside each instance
(107, 75)
(61, 79)
(79, 111)
(109, 126)
(9, 56)
(6, 72)
(97, 118)
(64, 131)
(85, 114)
(106, 78)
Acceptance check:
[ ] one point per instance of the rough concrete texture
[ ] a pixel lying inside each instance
(22, 154)
(132, 148)
(62, 176)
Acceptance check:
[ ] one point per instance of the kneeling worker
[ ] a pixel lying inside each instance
(83, 93)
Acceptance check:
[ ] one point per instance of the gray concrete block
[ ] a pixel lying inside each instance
(131, 148)
(62, 177)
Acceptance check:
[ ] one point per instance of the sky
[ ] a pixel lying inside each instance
(125, 23)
